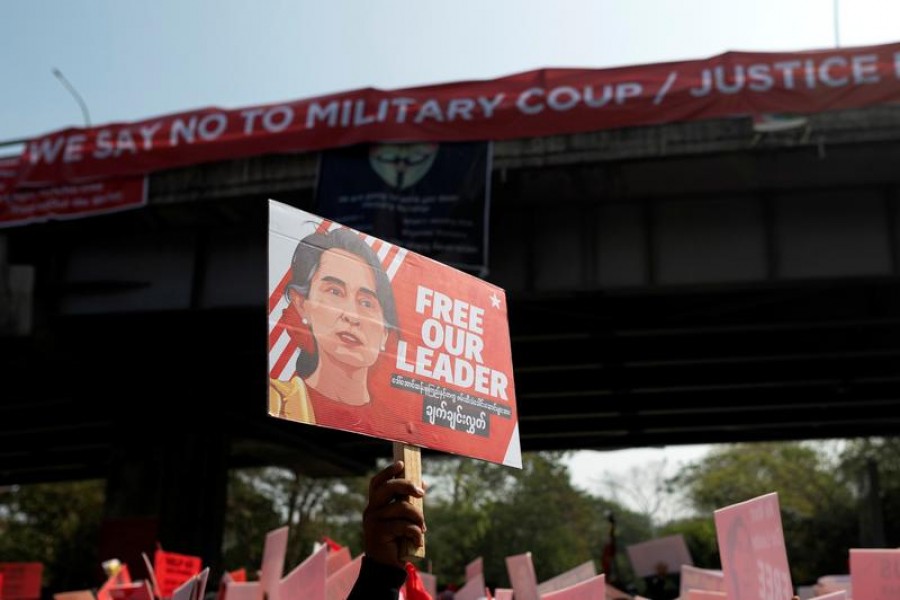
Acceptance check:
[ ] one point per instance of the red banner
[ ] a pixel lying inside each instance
(33, 205)
(536, 103)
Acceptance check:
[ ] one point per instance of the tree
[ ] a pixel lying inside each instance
(700, 536)
(881, 496)
(261, 500)
(56, 524)
(475, 508)
(460, 493)
(817, 508)
(250, 513)
(631, 528)
(646, 489)
(543, 514)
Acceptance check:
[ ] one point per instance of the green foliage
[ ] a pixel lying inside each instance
(479, 509)
(338, 516)
(55, 524)
(250, 513)
(883, 453)
(734, 473)
(700, 536)
(544, 515)
(631, 528)
(461, 492)
(473, 508)
(817, 508)
(260, 500)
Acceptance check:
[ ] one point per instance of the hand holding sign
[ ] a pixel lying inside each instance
(390, 521)
(368, 337)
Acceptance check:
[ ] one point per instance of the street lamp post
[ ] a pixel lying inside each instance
(84, 110)
(837, 26)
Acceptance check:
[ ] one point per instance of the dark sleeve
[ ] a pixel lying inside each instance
(377, 582)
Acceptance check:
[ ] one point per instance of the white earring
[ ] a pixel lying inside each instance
(305, 322)
(382, 347)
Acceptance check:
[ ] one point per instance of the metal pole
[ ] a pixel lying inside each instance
(5, 143)
(84, 110)
(837, 26)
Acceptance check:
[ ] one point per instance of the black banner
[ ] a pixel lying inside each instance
(427, 197)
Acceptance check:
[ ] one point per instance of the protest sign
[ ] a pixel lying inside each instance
(139, 590)
(751, 549)
(693, 578)
(667, 553)
(875, 573)
(274, 552)
(589, 589)
(337, 559)
(118, 576)
(368, 337)
(474, 568)
(473, 589)
(21, 580)
(522, 576)
(246, 590)
(842, 595)
(171, 570)
(582, 572)
(238, 575)
(307, 580)
(430, 583)
(151, 574)
(192, 589)
(75, 595)
(693, 594)
(338, 586)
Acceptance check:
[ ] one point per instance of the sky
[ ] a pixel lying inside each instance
(629, 476)
(131, 60)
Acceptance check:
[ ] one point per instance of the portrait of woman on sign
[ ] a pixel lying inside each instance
(342, 315)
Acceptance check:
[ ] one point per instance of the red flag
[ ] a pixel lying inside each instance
(415, 589)
(333, 546)
(239, 575)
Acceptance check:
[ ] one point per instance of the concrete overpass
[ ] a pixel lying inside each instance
(675, 284)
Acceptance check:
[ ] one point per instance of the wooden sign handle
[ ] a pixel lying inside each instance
(412, 470)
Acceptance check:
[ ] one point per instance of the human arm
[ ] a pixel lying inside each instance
(388, 520)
